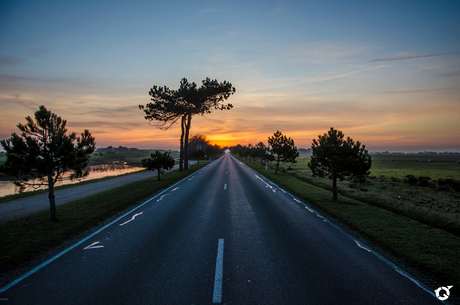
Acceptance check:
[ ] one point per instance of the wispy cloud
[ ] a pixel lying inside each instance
(10, 60)
(335, 76)
(448, 74)
(37, 53)
(420, 90)
(410, 57)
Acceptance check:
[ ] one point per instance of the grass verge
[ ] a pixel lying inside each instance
(24, 239)
(423, 249)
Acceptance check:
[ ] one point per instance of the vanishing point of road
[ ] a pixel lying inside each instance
(224, 235)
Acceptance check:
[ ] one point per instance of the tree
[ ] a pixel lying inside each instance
(44, 152)
(213, 150)
(263, 153)
(198, 154)
(158, 161)
(283, 148)
(339, 158)
(210, 96)
(171, 105)
(168, 107)
(197, 142)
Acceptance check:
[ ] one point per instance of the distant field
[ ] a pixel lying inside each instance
(437, 167)
(388, 187)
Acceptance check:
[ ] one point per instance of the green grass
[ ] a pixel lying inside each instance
(23, 240)
(423, 248)
(430, 205)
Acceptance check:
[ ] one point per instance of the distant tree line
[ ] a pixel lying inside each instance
(280, 149)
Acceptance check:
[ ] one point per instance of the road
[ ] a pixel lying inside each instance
(17, 208)
(223, 235)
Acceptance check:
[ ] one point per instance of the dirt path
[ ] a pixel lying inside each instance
(22, 207)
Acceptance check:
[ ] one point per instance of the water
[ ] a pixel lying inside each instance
(95, 172)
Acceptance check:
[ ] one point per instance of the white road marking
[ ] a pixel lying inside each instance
(135, 215)
(163, 196)
(359, 245)
(93, 246)
(217, 294)
(175, 189)
(310, 209)
(225, 186)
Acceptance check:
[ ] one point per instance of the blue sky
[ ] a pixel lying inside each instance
(386, 73)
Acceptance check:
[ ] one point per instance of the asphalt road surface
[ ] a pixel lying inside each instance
(224, 235)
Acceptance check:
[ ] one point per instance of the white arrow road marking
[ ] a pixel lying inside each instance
(134, 216)
(93, 246)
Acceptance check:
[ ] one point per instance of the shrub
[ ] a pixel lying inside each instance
(410, 179)
(423, 181)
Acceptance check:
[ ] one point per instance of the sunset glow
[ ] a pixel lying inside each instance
(385, 73)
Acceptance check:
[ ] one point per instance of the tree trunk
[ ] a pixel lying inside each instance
(277, 165)
(181, 152)
(51, 197)
(334, 184)
(187, 133)
(159, 174)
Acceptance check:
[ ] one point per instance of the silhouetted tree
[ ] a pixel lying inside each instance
(171, 105)
(283, 148)
(44, 152)
(210, 96)
(197, 142)
(167, 108)
(158, 161)
(339, 158)
(198, 154)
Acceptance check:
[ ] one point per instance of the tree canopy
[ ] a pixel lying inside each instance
(168, 106)
(43, 152)
(283, 148)
(339, 158)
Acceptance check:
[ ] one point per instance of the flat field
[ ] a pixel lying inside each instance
(431, 201)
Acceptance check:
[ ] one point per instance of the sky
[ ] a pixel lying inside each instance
(386, 73)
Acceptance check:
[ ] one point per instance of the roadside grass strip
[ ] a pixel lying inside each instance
(431, 253)
(25, 241)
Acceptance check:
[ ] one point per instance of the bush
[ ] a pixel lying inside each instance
(423, 181)
(410, 179)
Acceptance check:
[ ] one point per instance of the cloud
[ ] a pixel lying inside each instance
(410, 57)
(10, 60)
(420, 90)
(448, 74)
(37, 53)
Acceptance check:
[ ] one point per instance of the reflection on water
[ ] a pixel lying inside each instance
(95, 172)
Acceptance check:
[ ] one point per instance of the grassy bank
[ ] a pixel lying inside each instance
(433, 204)
(423, 248)
(24, 240)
